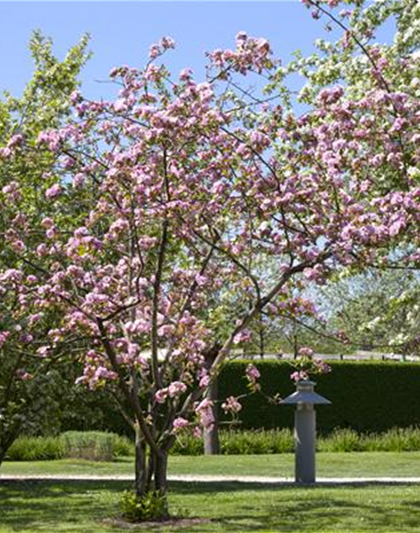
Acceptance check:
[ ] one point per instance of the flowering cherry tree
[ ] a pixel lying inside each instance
(179, 190)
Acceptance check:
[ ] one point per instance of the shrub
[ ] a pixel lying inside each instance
(396, 440)
(247, 442)
(99, 446)
(256, 442)
(238, 442)
(344, 440)
(36, 449)
(91, 445)
(151, 506)
(187, 444)
(123, 446)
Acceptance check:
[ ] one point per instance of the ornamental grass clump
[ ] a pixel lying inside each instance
(95, 445)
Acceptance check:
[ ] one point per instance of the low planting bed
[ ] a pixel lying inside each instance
(100, 446)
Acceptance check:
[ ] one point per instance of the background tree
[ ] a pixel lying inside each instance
(375, 311)
(28, 383)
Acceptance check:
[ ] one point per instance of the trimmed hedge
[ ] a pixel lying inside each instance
(368, 396)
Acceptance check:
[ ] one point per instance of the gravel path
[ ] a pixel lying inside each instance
(218, 479)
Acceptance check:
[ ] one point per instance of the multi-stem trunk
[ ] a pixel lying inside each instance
(161, 472)
(140, 463)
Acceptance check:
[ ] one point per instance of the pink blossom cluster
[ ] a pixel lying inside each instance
(175, 390)
(253, 375)
(179, 424)
(3, 337)
(307, 365)
(231, 405)
(250, 54)
(164, 44)
(12, 145)
(96, 373)
(205, 414)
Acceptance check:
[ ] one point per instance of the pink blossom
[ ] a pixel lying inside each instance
(167, 43)
(154, 51)
(253, 374)
(231, 405)
(179, 424)
(204, 381)
(161, 395)
(3, 337)
(186, 74)
(12, 191)
(205, 413)
(53, 192)
(299, 376)
(322, 366)
(305, 351)
(41, 250)
(17, 245)
(243, 336)
(79, 180)
(176, 389)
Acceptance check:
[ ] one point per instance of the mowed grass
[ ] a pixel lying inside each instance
(81, 507)
(40, 506)
(361, 464)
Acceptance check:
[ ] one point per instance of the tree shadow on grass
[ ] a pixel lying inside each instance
(231, 507)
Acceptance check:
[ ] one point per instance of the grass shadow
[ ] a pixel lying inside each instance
(231, 507)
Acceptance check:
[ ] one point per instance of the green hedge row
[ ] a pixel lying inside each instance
(366, 396)
(369, 396)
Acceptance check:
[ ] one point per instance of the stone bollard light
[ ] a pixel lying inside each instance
(305, 429)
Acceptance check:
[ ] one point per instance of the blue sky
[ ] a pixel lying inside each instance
(123, 31)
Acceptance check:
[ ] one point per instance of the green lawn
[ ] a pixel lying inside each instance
(89, 506)
(369, 464)
(82, 507)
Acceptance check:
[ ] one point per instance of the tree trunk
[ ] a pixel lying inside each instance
(6, 440)
(140, 463)
(211, 434)
(161, 472)
(262, 340)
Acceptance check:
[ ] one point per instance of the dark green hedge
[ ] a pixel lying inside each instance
(365, 396)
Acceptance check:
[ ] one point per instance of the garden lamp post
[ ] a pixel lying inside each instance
(305, 429)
